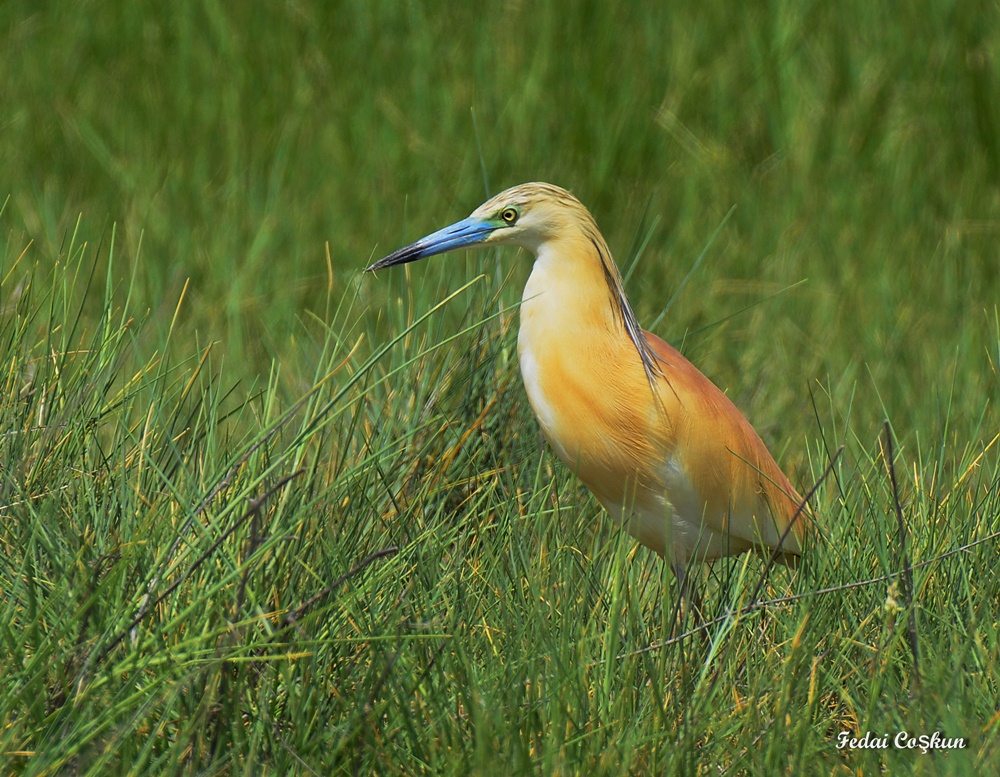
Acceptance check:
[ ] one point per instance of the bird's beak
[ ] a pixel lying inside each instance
(467, 232)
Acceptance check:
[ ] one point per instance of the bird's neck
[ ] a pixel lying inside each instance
(568, 293)
(567, 336)
(582, 371)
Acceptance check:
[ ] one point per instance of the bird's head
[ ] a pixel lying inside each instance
(527, 216)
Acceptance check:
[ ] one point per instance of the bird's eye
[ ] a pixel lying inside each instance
(509, 215)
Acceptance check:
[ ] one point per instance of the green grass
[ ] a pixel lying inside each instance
(262, 515)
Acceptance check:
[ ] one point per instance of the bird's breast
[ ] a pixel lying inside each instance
(546, 414)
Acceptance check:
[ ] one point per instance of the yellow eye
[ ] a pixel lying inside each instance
(509, 215)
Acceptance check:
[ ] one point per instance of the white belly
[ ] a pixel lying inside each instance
(671, 521)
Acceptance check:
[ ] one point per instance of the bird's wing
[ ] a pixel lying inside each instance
(743, 491)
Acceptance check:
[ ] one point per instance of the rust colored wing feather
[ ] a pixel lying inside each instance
(743, 490)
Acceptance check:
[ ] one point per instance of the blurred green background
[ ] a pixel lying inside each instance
(858, 142)
(264, 153)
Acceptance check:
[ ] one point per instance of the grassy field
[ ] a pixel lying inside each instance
(260, 514)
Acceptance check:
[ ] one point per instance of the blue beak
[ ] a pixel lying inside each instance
(467, 232)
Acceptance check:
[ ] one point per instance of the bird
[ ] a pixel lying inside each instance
(666, 452)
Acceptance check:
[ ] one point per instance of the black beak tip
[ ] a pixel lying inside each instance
(381, 264)
(402, 256)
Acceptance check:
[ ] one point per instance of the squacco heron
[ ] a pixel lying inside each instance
(665, 452)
